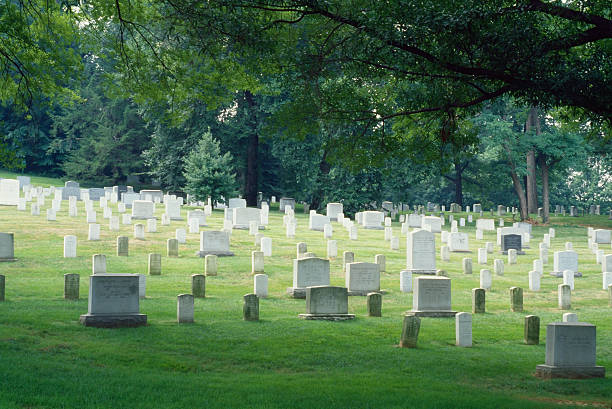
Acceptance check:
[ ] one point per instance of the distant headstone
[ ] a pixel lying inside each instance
(564, 293)
(70, 246)
(308, 272)
(512, 241)
(257, 262)
(71, 189)
(214, 242)
(98, 264)
(113, 301)
(333, 209)
(327, 303)
(7, 247)
(467, 265)
(123, 245)
(362, 278)
(210, 265)
(142, 209)
(172, 248)
(260, 285)
(565, 260)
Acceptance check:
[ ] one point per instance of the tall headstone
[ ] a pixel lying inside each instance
(405, 281)
(532, 330)
(564, 293)
(478, 300)
(250, 309)
(184, 308)
(98, 264)
(260, 285)
(308, 272)
(123, 246)
(70, 246)
(463, 329)
(154, 267)
(7, 247)
(172, 248)
(410, 331)
(198, 285)
(516, 299)
(421, 252)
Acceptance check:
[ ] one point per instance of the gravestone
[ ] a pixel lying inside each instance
(512, 241)
(7, 247)
(405, 281)
(458, 243)
(570, 317)
(432, 224)
(198, 285)
(156, 195)
(532, 330)
(260, 285)
(485, 279)
(173, 209)
(94, 232)
(485, 224)
(142, 209)
(374, 304)
(71, 286)
(516, 299)
(286, 202)
(184, 308)
(414, 220)
(381, 260)
(308, 272)
(266, 246)
(317, 222)
(214, 242)
(565, 260)
(347, 257)
(421, 252)
(154, 266)
(333, 210)
(128, 199)
(534, 280)
(95, 194)
(70, 246)
(172, 247)
(257, 262)
(2, 287)
(98, 264)
(432, 297)
(564, 294)
(362, 278)
(139, 231)
(463, 329)
(250, 309)
(9, 192)
(327, 303)
(71, 189)
(570, 352)
(123, 246)
(113, 302)
(602, 236)
(467, 265)
(372, 220)
(210, 265)
(242, 217)
(478, 300)
(410, 331)
(498, 267)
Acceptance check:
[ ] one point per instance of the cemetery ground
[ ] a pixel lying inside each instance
(49, 360)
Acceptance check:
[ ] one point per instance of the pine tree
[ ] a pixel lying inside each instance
(207, 172)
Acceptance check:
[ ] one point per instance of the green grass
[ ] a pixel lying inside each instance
(49, 360)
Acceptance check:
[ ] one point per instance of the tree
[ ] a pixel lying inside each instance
(208, 173)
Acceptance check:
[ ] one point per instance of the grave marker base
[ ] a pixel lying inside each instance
(560, 274)
(214, 253)
(575, 372)
(327, 317)
(432, 313)
(113, 320)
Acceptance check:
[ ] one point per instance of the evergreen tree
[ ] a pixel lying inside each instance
(208, 173)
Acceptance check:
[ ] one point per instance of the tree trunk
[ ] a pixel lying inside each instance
(458, 182)
(545, 190)
(252, 153)
(317, 194)
(521, 195)
(533, 123)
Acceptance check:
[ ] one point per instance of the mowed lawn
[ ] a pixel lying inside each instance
(49, 360)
